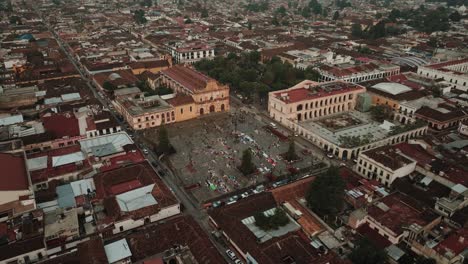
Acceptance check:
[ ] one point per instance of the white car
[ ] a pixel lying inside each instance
(231, 254)
(145, 151)
(238, 261)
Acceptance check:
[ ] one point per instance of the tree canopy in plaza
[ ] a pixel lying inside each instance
(326, 193)
(247, 166)
(246, 75)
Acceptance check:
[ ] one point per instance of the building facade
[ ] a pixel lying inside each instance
(454, 72)
(312, 100)
(384, 164)
(194, 95)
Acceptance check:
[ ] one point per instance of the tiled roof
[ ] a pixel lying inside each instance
(293, 244)
(309, 90)
(187, 77)
(14, 175)
(400, 211)
(61, 125)
(181, 230)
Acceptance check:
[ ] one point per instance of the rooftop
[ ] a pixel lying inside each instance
(295, 245)
(389, 156)
(105, 145)
(187, 77)
(15, 176)
(118, 250)
(397, 211)
(180, 230)
(309, 90)
(364, 126)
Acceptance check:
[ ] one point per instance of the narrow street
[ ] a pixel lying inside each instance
(189, 207)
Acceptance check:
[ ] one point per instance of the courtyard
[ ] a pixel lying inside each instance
(209, 150)
(340, 122)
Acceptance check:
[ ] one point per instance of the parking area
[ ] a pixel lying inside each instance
(209, 150)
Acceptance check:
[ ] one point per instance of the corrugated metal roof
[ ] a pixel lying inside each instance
(81, 187)
(67, 159)
(38, 163)
(118, 250)
(70, 97)
(66, 198)
(136, 199)
(10, 120)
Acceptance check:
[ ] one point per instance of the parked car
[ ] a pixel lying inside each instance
(231, 254)
(238, 261)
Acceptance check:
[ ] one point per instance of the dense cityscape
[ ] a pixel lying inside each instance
(234, 131)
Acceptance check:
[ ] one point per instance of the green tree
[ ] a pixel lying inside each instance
(291, 153)
(146, 3)
(275, 221)
(356, 30)
(381, 112)
(336, 15)
(280, 11)
(306, 12)
(108, 86)
(315, 6)
(326, 193)
(164, 145)
(139, 16)
(204, 13)
(367, 253)
(247, 167)
(455, 16)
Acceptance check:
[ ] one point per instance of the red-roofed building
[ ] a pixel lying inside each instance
(310, 100)
(67, 163)
(453, 72)
(398, 217)
(14, 178)
(61, 125)
(291, 247)
(452, 249)
(132, 196)
(360, 73)
(208, 94)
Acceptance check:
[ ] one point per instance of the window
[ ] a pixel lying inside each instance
(190, 109)
(181, 110)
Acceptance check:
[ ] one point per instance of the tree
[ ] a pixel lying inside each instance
(326, 193)
(291, 154)
(336, 15)
(108, 86)
(164, 145)
(367, 253)
(139, 16)
(275, 221)
(146, 3)
(356, 30)
(315, 6)
(204, 13)
(380, 112)
(455, 16)
(281, 11)
(247, 167)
